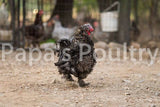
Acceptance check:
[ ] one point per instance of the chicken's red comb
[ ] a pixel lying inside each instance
(40, 12)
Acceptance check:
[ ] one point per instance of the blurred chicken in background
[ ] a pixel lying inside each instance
(5, 34)
(35, 33)
(48, 28)
(60, 32)
(3, 16)
(99, 35)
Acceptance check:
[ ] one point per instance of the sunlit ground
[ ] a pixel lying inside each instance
(111, 83)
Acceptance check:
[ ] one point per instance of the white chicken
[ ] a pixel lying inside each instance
(6, 35)
(99, 35)
(3, 15)
(60, 32)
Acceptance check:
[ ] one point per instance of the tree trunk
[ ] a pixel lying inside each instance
(64, 8)
(124, 22)
(136, 11)
(103, 4)
(12, 10)
(153, 15)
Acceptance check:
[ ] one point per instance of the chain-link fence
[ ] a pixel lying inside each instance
(18, 18)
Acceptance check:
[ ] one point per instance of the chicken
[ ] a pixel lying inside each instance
(35, 33)
(48, 28)
(75, 66)
(99, 35)
(5, 35)
(3, 15)
(60, 32)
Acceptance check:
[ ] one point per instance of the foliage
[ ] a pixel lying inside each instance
(87, 4)
(144, 8)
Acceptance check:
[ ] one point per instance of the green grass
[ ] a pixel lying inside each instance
(49, 41)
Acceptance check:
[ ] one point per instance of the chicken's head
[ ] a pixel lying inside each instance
(87, 28)
(40, 12)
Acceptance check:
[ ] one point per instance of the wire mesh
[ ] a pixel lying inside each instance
(71, 13)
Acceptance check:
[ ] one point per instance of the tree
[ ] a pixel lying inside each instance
(12, 10)
(124, 22)
(64, 8)
(136, 3)
(103, 4)
(153, 15)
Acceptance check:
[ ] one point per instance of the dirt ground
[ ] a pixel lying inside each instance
(113, 84)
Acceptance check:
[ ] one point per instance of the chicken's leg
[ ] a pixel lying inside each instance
(82, 83)
(68, 77)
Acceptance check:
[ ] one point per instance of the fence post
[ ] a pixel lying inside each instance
(18, 22)
(24, 18)
(13, 21)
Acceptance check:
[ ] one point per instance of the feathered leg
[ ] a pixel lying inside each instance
(82, 83)
(66, 74)
(68, 77)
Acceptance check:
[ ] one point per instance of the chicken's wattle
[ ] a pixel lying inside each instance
(90, 30)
